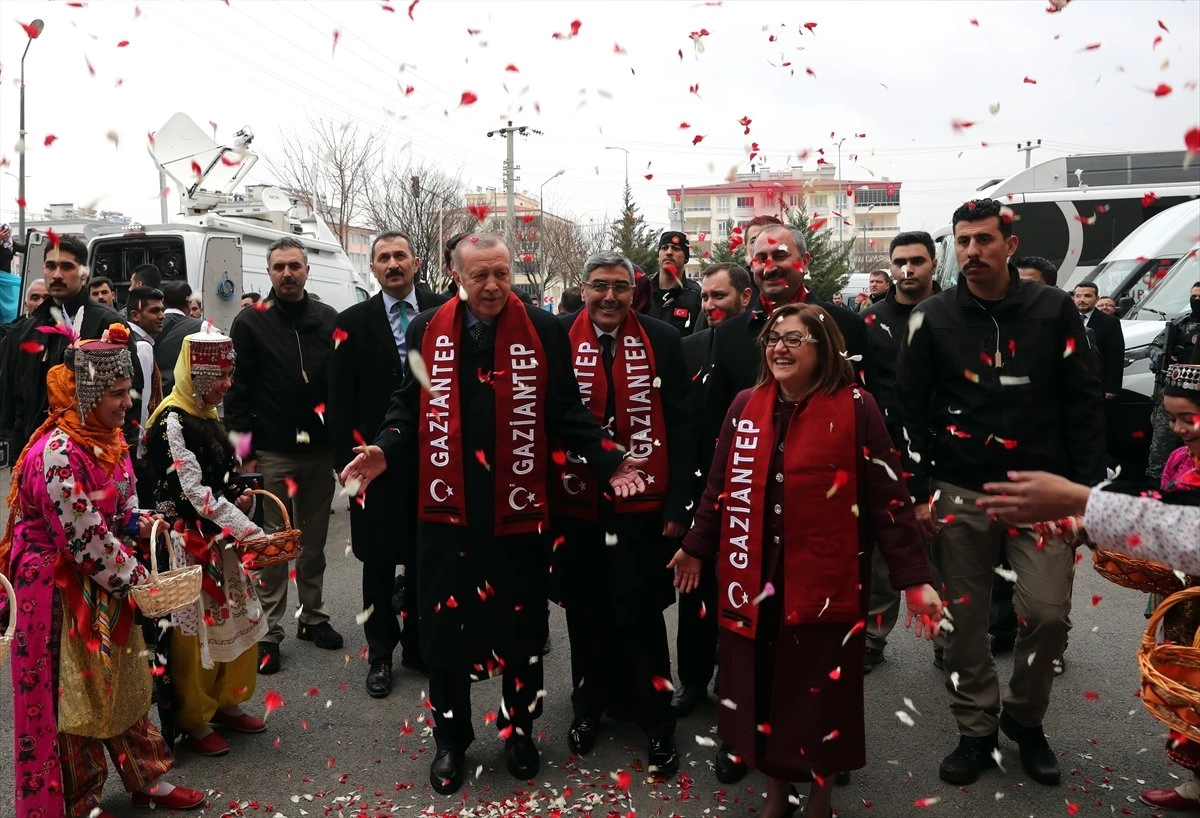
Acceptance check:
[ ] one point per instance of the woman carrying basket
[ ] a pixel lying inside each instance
(72, 497)
(212, 648)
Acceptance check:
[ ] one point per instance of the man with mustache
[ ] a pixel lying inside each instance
(280, 386)
(30, 352)
(996, 376)
(368, 365)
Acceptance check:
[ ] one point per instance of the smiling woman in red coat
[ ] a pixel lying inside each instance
(804, 484)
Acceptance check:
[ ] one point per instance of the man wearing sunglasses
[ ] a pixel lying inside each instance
(30, 352)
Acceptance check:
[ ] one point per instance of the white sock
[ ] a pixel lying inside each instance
(159, 787)
(1189, 789)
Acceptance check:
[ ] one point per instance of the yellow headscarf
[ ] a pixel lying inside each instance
(181, 393)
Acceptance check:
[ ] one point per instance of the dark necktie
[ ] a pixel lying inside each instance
(481, 334)
(607, 346)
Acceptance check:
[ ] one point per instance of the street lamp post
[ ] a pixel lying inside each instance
(33, 31)
(626, 152)
(542, 226)
(841, 205)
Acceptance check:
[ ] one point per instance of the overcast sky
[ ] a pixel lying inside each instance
(898, 72)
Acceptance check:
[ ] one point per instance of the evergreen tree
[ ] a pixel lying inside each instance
(721, 252)
(634, 238)
(830, 267)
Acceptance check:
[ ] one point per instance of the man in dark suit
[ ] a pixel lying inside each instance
(1110, 341)
(779, 260)
(177, 325)
(609, 569)
(368, 365)
(725, 292)
(492, 386)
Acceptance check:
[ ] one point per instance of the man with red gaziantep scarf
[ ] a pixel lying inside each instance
(779, 260)
(610, 554)
(492, 390)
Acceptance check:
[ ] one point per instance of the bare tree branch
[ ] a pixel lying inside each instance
(329, 169)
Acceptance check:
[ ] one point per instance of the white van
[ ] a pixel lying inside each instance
(1145, 256)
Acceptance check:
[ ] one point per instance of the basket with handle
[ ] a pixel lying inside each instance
(7, 637)
(1140, 575)
(1171, 673)
(271, 549)
(168, 592)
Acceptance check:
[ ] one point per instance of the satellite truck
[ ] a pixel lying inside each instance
(218, 242)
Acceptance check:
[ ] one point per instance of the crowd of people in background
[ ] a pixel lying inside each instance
(786, 467)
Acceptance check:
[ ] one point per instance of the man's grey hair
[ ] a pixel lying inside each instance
(607, 258)
(288, 243)
(36, 282)
(480, 241)
(797, 236)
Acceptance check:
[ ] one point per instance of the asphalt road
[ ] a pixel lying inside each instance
(332, 750)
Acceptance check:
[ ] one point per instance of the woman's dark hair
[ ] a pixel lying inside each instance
(833, 370)
(1172, 391)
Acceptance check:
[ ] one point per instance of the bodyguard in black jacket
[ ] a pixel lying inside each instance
(996, 376)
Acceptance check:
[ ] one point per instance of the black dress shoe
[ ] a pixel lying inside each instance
(972, 756)
(793, 803)
(268, 658)
(581, 738)
(379, 679)
(872, 659)
(728, 765)
(524, 761)
(1037, 758)
(322, 635)
(686, 699)
(842, 779)
(446, 772)
(663, 757)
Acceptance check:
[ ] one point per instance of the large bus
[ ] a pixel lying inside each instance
(1074, 210)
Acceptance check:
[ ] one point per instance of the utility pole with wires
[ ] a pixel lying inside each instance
(1028, 147)
(510, 174)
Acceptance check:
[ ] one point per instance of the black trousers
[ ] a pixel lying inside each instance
(382, 628)
(611, 664)
(450, 695)
(696, 639)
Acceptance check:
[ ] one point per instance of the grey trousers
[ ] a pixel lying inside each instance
(965, 550)
(313, 473)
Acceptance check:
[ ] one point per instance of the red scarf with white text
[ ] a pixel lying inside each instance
(820, 513)
(639, 427)
(518, 465)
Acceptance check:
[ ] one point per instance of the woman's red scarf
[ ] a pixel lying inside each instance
(518, 465)
(819, 516)
(640, 425)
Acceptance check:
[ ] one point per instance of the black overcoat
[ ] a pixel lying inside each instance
(508, 620)
(364, 372)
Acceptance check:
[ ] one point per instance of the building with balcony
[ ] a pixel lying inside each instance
(866, 213)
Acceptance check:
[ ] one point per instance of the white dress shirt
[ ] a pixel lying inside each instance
(397, 318)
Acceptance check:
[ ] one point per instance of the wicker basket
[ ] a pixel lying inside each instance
(272, 549)
(1140, 575)
(1171, 674)
(7, 637)
(169, 591)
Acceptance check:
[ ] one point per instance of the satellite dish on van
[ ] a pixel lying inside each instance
(275, 200)
(205, 171)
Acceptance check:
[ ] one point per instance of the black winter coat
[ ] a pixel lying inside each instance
(281, 375)
(364, 371)
(986, 390)
(457, 561)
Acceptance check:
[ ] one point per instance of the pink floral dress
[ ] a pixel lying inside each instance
(64, 541)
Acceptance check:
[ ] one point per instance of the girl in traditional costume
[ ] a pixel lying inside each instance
(81, 682)
(212, 650)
